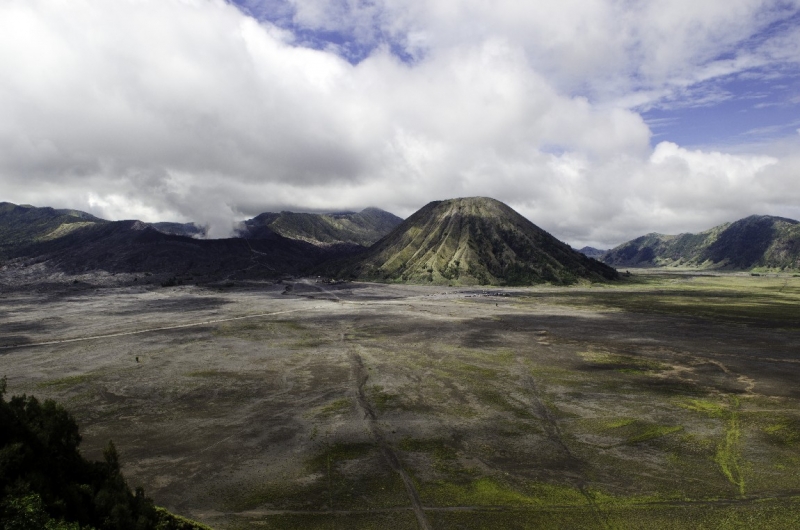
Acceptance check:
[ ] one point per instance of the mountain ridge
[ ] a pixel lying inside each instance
(465, 241)
(355, 228)
(756, 241)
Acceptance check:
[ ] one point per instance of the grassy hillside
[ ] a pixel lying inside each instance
(21, 225)
(753, 242)
(75, 242)
(136, 247)
(472, 241)
(363, 228)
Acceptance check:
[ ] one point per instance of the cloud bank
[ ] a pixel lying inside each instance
(199, 110)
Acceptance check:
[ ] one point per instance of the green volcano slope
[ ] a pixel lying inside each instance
(473, 241)
(363, 228)
(23, 224)
(758, 241)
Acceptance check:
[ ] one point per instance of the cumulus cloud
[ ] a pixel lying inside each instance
(195, 110)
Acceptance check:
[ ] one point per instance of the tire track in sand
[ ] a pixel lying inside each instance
(360, 374)
(553, 432)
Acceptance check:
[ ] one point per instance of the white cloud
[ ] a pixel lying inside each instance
(190, 110)
(610, 50)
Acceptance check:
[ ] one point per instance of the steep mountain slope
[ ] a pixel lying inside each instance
(469, 241)
(44, 241)
(23, 224)
(758, 241)
(363, 228)
(136, 247)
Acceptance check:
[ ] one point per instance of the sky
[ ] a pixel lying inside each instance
(598, 120)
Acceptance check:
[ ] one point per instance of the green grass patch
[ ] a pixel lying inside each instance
(396, 520)
(340, 476)
(652, 432)
(205, 373)
(746, 515)
(488, 491)
(618, 423)
(334, 490)
(498, 401)
(483, 492)
(622, 363)
(292, 325)
(339, 452)
(444, 457)
(704, 406)
(627, 431)
(308, 343)
(698, 445)
(382, 401)
(473, 372)
(786, 431)
(504, 357)
(67, 382)
(752, 301)
(780, 513)
(440, 449)
(336, 407)
(729, 452)
(518, 519)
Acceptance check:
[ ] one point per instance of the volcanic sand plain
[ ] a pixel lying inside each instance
(666, 400)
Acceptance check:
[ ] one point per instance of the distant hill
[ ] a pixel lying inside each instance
(592, 252)
(24, 224)
(73, 242)
(136, 247)
(758, 241)
(471, 241)
(363, 228)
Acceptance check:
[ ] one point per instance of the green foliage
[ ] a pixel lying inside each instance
(451, 271)
(27, 512)
(46, 483)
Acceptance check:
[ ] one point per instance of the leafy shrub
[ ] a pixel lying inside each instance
(45, 483)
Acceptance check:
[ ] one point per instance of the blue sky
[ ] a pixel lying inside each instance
(748, 106)
(599, 120)
(748, 110)
(347, 44)
(754, 105)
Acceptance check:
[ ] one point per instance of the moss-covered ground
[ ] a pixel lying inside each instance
(663, 401)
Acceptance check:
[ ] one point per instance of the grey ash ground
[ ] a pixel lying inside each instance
(669, 401)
